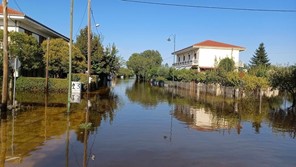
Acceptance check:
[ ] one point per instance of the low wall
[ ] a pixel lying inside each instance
(217, 89)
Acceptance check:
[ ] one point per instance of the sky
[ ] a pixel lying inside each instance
(136, 27)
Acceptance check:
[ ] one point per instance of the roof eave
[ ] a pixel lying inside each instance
(216, 47)
(183, 50)
(45, 27)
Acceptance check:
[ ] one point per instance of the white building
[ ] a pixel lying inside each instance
(206, 55)
(19, 22)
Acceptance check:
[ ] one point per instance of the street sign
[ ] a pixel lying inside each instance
(75, 97)
(76, 92)
(15, 63)
(76, 87)
(15, 73)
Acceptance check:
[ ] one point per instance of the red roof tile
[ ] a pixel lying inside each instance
(209, 43)
(11, 11)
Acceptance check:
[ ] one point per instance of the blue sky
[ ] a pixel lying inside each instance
(136, 27)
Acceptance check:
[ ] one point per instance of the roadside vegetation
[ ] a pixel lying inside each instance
(33, 56)
(147, 65)
(258, 75)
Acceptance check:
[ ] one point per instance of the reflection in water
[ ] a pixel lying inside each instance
(41, 121)
(43, 134)
(283, 121)
(146, 95)
(200, 119)
(205, 112)
(3, 140)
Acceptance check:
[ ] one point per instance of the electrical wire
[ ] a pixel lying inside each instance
(213, 7)
(92, 14)
(18, 6)
(78, 29)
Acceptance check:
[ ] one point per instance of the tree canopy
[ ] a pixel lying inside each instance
(226, 64)
(284, 79)
(58, 56)
(108, 63)
(142, 63)
(104, 61)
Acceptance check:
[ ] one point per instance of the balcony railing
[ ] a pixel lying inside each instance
(186, 63)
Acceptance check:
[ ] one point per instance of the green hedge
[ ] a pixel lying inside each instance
(35, 84)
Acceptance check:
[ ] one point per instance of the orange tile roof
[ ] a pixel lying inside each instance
(210, 43)
(11, 11)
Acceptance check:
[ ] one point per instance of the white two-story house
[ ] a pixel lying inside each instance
(19, 22)
(206, 55)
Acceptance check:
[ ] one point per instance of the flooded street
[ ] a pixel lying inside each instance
(134, 124)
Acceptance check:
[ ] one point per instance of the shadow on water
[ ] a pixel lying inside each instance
(41, 119)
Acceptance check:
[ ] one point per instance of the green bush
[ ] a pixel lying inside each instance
(35, 84)
(31, 84)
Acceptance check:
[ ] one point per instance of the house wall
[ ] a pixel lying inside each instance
(205, 57)
(209, 57)
(21, 27)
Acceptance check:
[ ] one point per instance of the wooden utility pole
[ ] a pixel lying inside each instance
(89, 47)
(5, 58)
(70, 56)
(47, 54)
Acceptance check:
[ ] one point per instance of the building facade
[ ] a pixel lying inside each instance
(19, 22)
(206, 55)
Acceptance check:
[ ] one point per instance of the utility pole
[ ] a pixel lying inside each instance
(70, 56)
(46, 75)
(89, 47)
(88, 85)
(5, 58)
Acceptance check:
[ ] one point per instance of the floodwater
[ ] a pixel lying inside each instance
(134, 124)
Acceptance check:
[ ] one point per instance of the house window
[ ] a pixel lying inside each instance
(195, 56)
(41, 39)
(183, 58)
(179, 59)
(28, 32)
(188, 57)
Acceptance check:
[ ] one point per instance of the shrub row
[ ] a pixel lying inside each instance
(36, 84)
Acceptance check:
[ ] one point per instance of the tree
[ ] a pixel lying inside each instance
(58, 56)
(103, 62)
(125, 72)
(107, 64)
(285, 80)
(142, 63)
(153, 57)
(97, 49)
(27, 48)
(134, 63)
(260, 58)
(226, 64)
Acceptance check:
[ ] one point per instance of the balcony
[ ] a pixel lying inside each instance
(186, 63)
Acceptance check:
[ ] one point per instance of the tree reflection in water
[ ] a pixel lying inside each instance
(44, 119)
(217, 113)
(283, 121)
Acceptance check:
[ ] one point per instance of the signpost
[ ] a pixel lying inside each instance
(76, 92)
(15, 64)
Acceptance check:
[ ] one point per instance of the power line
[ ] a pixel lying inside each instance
(17, 6)
(213, 7)
(84, 13)
(92, 14)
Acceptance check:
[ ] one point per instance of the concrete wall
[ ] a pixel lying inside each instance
(215, 89)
